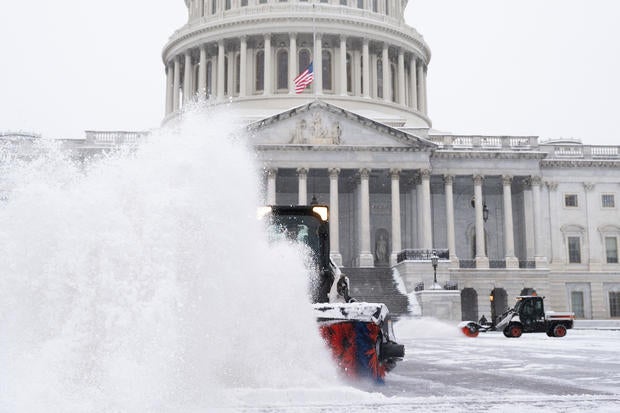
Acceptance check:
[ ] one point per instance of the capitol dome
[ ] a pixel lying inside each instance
(247, 53)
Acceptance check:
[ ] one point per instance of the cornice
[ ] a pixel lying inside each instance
(337, 148)
(358, 27)
(481, 154)
(580, 163)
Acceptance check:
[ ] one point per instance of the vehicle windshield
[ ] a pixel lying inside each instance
(518, 306)
(297, 228)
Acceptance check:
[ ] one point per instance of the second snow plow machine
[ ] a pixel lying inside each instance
(359, 334)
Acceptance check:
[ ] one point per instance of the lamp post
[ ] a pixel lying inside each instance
(434, 261)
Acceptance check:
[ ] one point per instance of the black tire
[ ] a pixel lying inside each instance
(507, 333)
(559, 330)
(550, 333)
(515, 330)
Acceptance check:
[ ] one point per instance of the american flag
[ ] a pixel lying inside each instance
(304, 79)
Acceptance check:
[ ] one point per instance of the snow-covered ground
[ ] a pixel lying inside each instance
(445, 371)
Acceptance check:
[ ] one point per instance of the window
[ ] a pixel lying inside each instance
(576, 302)
(244, 3)
(570, 201)
(349, 80)
(393, 82)
(213, 6)
(226, 86)
(262, 1)
(374, 5)
(360, 4)
(237, 73)
(611, 250)
(343, 2)
(379, 78)
(387, 7)
(614, 303)
(327, 70)
(282, 69)
(304, 59)
(608, 201)
(227, 4)
(260, 71)
(574, 250)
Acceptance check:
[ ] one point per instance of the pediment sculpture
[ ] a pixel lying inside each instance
(316, 132)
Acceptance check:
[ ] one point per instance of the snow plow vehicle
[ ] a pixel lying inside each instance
(359, 334)
(527, 316)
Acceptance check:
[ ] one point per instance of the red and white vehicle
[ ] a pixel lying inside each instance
(527, 316)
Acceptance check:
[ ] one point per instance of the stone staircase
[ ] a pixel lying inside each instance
(376, 285)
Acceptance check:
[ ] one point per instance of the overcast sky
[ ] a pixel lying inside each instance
(531, 67)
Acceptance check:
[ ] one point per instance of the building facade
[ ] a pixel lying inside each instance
(506, 214)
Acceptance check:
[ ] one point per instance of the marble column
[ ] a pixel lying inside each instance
(343, 65)
(187, 78)
(413, 84)
(318, 65)
(220, 70)
(539, 254)
(482, 261)
(302, 175)
(427, 218)
(385, 62)
(271, 186)
(396, 235)
(448, 186)
(366, 258)
(365, 69)
(334, 233)
(509, 237)
(420, 86)
(356, 68)
(202, 72)
(419, 211)
(292, 62)
(401, 77)
(243, 62)
(230, 74)
(267, 65)
(169, 88)
(177, 83)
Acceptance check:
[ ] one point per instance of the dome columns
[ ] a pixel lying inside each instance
(353, 67)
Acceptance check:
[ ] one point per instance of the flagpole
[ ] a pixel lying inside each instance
(314, 46)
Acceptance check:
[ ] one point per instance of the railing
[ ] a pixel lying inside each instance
(114, 137)
(581, 152)
(485, 142)
(527, 264)
(422, 254)
(467, 263)
(451, 286)
(497, 263)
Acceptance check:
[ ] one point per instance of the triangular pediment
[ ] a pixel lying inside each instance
(319, 124)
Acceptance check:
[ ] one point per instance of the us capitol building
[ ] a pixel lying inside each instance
(505, 215)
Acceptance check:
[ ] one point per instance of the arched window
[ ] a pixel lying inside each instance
(393, 81)
(209, 78)
(349, 74)
(237, 73)
(379, 78)
(259, 81)
(327, 70)
(305, 57)
(282, 59)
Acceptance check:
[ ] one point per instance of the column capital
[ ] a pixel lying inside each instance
(364, 173)
(292, 35)
(425, 173)
(243, 37)
(448, 179)
(507, 180)
(220, 43)
(271, 171)
(395, 173)
(318, 36)
(415, 179)
(536, 180)
(334, 172)
(551, 185)
(478, 179)
(588, 186)
(302, 171)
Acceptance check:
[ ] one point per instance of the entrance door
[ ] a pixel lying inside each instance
(577, 303)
